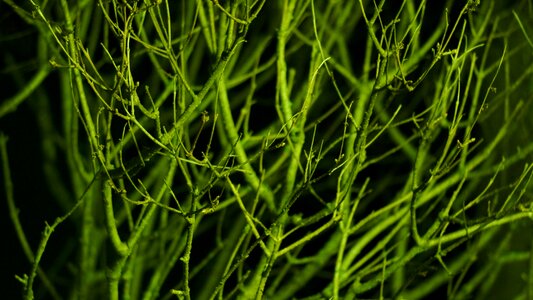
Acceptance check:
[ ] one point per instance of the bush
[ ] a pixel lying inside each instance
(270, 149)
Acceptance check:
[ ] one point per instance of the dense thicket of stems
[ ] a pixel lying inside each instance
(276, 149)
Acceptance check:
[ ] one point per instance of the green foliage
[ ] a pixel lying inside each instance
(279, 149)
